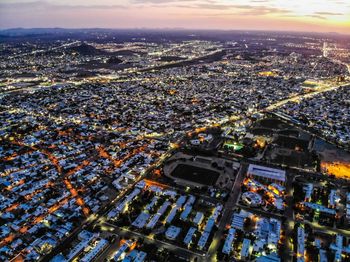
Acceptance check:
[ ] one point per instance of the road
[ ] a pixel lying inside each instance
(45, 50)
(289, 215)
(109, 251)
(228, 206)
(327, 230)
(227, 213)
(297, 98)
(182, 252)
(92, 219)
(341, 63)
(236, 187)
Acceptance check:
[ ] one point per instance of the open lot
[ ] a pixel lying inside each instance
(196, 174)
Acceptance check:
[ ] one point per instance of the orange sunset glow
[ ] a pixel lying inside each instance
(315, 16)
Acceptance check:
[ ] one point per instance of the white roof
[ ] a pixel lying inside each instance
(301, 244)
(203, 240)
(189, 235)
(245, 248)
(267, 172)
(95, 251)
(172, 232)
(228, 242)
(141, 220)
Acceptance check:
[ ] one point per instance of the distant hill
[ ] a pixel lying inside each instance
(85, 49)
(165, 35)
(114, 61)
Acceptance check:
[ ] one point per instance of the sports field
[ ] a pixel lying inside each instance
(196, 174)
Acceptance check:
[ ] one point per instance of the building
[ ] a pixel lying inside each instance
(301, 245)
(333, 199)
(118, 255)
(320, 208)
(238, 219)
(208, 227)
(203, 240)
(245, 251)
(348, 206)
(135, 256)
(153, 202)
(323, 256)
(339, 248)
(269, 258)
(180, 201)
(252, 199)
(227, 248)
(172, 214)
(308, 188)
(141, 220)
(80, 247)
(186, 212)
(153, 221)
(172, 232)
(101, 245)
(198, 218)
(277, 189)
(267, 174)
(189, 236)
(268, 233)
(121, 206)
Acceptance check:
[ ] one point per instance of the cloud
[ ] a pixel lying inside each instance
(263, 10)
(226, 14)
(327, 13)
(159, 1)
(22, 4)
(244, 9)
(317, 17)
(47, 5)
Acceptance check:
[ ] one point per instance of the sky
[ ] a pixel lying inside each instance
(288, 15)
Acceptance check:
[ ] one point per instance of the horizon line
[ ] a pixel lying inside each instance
(173, 29)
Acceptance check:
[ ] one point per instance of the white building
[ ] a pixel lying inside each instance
(267, 173)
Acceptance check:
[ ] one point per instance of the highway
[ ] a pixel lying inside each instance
(299, 97)
(96, 218)
(234, 192)
(229, 204)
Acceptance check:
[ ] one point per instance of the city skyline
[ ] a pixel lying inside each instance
(316, 16)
